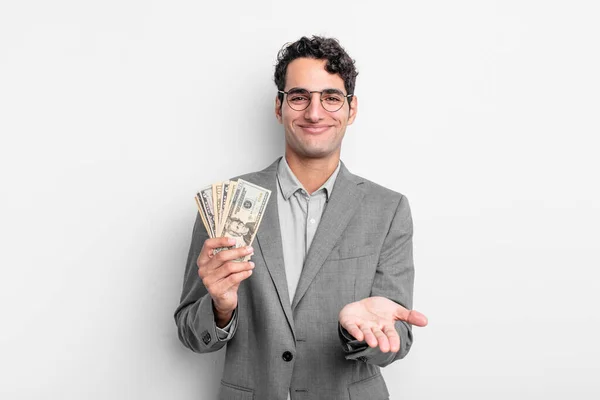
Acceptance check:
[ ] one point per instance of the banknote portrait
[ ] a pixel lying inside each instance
(235, 227)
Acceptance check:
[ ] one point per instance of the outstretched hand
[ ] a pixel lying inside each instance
(372, 320)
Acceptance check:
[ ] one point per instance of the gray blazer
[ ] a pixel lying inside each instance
(362, 248)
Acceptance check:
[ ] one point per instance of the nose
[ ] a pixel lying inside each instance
(314, 112)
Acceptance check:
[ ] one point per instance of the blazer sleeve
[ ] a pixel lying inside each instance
(194, 316)
(394, 279)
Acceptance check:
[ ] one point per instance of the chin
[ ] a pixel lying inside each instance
(317, 153)
(312, 149)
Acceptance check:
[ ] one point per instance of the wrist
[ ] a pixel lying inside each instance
(222, 318)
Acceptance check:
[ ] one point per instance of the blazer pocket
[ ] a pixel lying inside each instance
(372, 388)
(230, 391)
(351, 252)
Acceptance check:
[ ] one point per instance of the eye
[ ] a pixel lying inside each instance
(298, 97)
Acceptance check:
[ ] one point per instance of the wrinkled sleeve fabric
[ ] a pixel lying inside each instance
(194, 316)
(394, 279)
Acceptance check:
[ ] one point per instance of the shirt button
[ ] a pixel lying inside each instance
(287, 356)
(312, 221)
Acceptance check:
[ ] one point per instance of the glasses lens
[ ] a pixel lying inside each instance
(332, 101)
(298, 99)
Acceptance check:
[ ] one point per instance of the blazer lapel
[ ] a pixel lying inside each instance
(343, 202)
(268, 239)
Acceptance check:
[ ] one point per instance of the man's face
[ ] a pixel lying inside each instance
(314, 132)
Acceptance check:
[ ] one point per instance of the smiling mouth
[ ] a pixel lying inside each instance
(314, 129)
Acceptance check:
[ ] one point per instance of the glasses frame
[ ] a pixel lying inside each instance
(346, 96)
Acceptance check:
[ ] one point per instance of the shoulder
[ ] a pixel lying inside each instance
(384, 205)
(379, 202)
(376, 192)
(261, 174)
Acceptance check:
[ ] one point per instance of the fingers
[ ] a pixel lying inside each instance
(382, 339)
(413, 317)
(220, 290)
(210, 245)
(386, 337)
(393, 338)
(225, 256)
(354, 331)
(369, 337)
(223, 272)
(207, 258)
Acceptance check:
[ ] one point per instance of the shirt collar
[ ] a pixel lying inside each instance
(289, 184)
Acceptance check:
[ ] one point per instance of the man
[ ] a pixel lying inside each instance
(324, 302)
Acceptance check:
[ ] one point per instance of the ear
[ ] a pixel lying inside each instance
(353, 110)
(278, 109)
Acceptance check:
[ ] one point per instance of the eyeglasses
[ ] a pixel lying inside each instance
(299, 99)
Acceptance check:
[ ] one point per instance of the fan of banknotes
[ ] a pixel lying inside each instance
(232, 209)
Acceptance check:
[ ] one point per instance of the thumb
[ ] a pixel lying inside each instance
(413, 317)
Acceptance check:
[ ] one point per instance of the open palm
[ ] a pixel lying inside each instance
(372, 320)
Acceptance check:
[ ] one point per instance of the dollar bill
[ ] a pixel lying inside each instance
(232, 209)
(227, 204)
(245, 213)
(225, 198)
(217, 189)
(201, 212)
(207, 205)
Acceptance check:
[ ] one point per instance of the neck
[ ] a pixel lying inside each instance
(312, 173)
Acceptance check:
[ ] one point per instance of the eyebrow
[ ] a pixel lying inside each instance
(326, 91)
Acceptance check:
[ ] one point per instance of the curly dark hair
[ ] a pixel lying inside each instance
(320, 48)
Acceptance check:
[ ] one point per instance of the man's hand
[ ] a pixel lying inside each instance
(222, 276)
(372, 320)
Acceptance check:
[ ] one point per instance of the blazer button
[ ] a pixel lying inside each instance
(287, 356)
(206, 337)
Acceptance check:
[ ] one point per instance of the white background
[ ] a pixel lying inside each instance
(113, 113)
